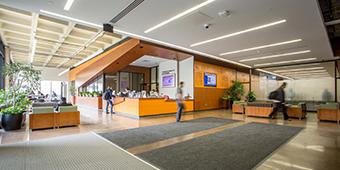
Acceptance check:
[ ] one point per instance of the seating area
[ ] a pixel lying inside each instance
(47, 117)
(254, 109)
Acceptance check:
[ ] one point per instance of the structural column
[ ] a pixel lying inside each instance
(335, 82)
(250, 73)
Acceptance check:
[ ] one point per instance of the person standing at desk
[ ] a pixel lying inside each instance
(179, 101)
(108, 97)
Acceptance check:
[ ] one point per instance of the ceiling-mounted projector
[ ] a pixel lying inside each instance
(108, 28)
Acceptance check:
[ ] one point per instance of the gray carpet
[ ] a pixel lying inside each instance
(75, 152)
(149, 134)
(239, 148)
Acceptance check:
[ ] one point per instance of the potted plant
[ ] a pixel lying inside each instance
(72, 90)
(251, 96)
(14, 101)
(234, 93)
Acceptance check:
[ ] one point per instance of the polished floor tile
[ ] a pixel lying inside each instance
(316, 147)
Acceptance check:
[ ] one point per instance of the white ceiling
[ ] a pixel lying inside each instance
(59, 43)
(148, 61)
(303, 17)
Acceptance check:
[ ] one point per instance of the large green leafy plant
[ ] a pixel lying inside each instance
(235, 92)
(22, 80)
(251, 96)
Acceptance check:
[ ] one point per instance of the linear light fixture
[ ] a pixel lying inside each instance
(179, 47)
(64, 72)
(293, 66)
(34, 46)
(304, 75)
(89, 57)
(239, 32)
(279, 75)
(305, 72)
(301, 74)
(298, 69)
(312, 77)
(261, 47)
(179, 15)
(309, 75)
(70, 18)
(68, 5)
(284, 62)
(145, 38)
(275, 56)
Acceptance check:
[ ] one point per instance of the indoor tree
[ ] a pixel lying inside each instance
(22, 80)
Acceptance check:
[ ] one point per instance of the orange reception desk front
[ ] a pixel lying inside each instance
(140, 107)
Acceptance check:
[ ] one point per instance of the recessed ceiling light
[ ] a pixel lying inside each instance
(298, 69)
(68, 5)
(70, 18)
(239, 32)
(261, 47)
(275, 56)
(179, 15)
(284, 62)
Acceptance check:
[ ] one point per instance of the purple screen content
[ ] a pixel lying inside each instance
(168, 81)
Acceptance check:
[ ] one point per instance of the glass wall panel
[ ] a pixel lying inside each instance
(124, 80)
(111, 80)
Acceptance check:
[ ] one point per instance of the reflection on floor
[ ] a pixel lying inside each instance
(316, 147)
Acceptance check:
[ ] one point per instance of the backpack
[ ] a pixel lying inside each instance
(107, 96)
(273, 95)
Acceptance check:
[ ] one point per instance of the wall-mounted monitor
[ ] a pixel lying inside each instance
(169, 80)
(210, 79)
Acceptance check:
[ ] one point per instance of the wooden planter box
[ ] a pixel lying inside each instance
(238, 108)
(257, 111)
(328, 114)
(53, 120)
(95, 102)
(296, 112)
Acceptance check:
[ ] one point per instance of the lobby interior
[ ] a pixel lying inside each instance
(230, 54)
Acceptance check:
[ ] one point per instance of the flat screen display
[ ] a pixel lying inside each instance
(210, 79)
(168, 80)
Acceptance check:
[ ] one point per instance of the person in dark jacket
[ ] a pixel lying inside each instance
(279, 95)
(108, 98)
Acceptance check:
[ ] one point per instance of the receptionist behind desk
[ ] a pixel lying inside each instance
(125, 93)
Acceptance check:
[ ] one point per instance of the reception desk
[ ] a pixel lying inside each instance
(94, 102)
(140, 107)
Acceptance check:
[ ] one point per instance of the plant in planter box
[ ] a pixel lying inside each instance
(94, 94)
(14, 102)
(99, 94)
(251, 97)
(72, 90)
(234, 92)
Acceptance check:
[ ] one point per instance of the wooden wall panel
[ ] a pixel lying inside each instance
(210, 97)
(242, 77)
(224, 75)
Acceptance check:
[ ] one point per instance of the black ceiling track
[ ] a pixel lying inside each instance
(127, 10)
